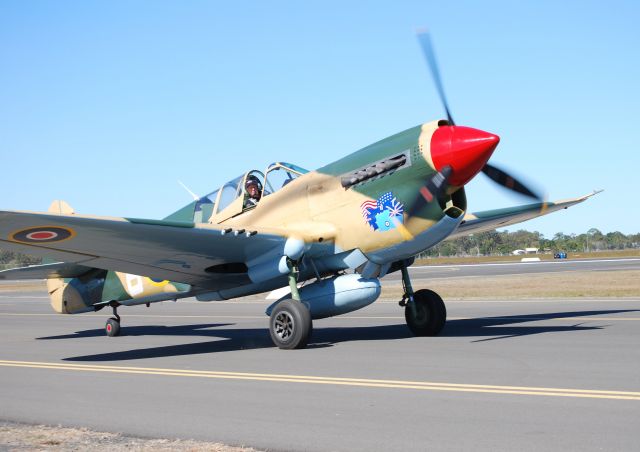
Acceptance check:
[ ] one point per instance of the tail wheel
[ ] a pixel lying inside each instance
(112, 327)
(428, 314)
(290, 325)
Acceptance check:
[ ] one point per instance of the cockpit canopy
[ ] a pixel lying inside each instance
(280, 174)
(232, 194)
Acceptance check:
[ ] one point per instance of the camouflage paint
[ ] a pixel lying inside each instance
(100, 287)
(316, 208)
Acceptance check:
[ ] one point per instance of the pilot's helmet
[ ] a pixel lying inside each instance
(253, 180)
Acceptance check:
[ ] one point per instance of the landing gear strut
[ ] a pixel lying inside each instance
(424, 310)
(290, 323)
(112, 326)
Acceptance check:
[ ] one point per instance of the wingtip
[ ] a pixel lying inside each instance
(592, 194)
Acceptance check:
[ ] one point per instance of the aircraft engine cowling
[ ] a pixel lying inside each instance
(71, 296)
(337, 295)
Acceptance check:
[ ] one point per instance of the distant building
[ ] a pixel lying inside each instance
(525, 251)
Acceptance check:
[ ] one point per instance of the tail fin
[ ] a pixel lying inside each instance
(61, 207)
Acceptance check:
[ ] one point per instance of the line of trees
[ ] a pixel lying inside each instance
(484, 243)
(502, 243)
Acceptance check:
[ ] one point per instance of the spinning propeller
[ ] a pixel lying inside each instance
(459, 152)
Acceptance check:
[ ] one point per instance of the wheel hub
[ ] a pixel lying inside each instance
(283, 325)
(421, 314)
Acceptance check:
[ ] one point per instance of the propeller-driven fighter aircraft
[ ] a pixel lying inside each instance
(328, 235)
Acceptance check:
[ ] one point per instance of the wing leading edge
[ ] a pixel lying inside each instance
(183, 252)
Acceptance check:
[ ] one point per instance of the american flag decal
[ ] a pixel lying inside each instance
(383, 214)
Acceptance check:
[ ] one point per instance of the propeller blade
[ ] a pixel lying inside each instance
(506, 180)
(429, 54)
(433, 189)
(436, 186)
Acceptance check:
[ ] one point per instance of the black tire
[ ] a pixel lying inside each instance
(112, 327)
(290, 325)
(428, 316)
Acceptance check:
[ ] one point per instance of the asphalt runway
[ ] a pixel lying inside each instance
(507, 375)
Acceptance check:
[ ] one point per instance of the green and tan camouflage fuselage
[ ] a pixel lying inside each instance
(317, 208)
(102, 287)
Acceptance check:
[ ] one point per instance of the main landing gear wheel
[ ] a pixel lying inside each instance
(290, 325)
(428, 314)
(112, 327)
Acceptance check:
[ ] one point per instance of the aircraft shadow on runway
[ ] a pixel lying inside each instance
(234, 339)
(504, 327)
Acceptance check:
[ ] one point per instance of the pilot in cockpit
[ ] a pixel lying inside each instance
(253, 189)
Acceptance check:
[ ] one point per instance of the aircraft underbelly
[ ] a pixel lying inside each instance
(423, 241)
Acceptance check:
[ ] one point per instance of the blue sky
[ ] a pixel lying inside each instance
(107, 104)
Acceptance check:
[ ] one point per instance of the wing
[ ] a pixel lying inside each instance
(492, 219)
(196, 254)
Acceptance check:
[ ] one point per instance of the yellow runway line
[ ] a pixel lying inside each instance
(359, 382)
